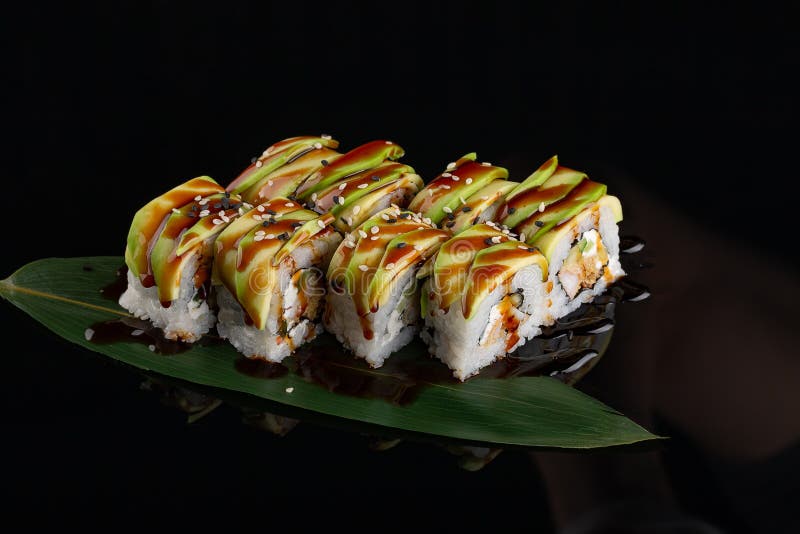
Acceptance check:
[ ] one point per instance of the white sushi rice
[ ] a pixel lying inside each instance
(288, 324)
(588, 223)
(186, 319)
(394, 325)
(466, 346)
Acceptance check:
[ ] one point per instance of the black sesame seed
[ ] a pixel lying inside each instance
(532, 249)
(272, 212)
(226, 203)
(310, 204)
(488, 241)
(451, 216)
(217, 205)
(390, 221)
(335, 199)
(539, 223)
(324, 162)
(253, 159)
(296, 224)
(405, 215)
(511, 210)
(227, 194)
(466, 208)
(375, 178)
(190, 214)
(194, 207)
(266, 223)
(451, 224)
(401, 245)
(283, 237)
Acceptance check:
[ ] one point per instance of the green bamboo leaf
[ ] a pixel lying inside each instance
(64, 295)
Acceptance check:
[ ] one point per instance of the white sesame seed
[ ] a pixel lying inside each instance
(198, 197)
(313, 197)
(270, 183)
(205, 213)
(446, 175)
(447, 209)
(541, 206)
(506, 231)
(88, 334)
(259, 163)
(258, 237)
(341, 201)
(257, 217)
(349, 244)
(144, 317)
(363, 267)
(389, 266)
(462, 200)
(289, 390)
(363, 186)
(262, 209)
(269, 236)
(468, 181)
(486, 164)
(374, 229)
(451, 165)
(485, 197)
(394, 206)
(374, 238)
(496, 239)
(455, 178)
(356, 209)
(325, 136)
(427, 220)
(317, 145)
(430, 192)
(348, 220)
(203, 202)
(418, 248)
(226, 219)
(522, 247)
(137, 333)
(260, 232)
(175, 210)
(152, 348)
(385, 217)
(320, 223)
(522, 237)
(445, 186)
(342, 186)
(363, 234)
(289, 204)
(241, 211)
(421, 228)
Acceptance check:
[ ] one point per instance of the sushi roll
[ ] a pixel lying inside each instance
(574, 223)
(373, 295)
(483, 297)
(269, 278)
(169, 253)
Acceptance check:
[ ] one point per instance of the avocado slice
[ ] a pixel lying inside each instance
(547, 242)
(540, 223)
(149, 220)
(285, 180)
(452, 262)
(468, 214)
(536, 179)
(312, 226)
(364, 157)
(340, 194)
(277, 155)
(493, 266)
(418, 245)
(557, 186)
(448, 191)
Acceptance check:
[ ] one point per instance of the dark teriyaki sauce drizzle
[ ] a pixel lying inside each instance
(115, 289)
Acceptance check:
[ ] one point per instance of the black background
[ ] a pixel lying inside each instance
(107, 106)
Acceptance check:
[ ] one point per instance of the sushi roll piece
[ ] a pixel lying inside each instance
(269, 278)
(484, 296)
(169, 252)
(373, 295)
(574, 223)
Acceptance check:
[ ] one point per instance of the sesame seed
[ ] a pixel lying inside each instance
(289, 204)
(341, 201)
(418, 248)
(496, 239)
(455, 178)
(522, 247)
(451, 224)
(356, 209)
(384, 217)
(203, 202)
(152, 348)
(445, 186)
(511, 210)
(522, 237)
(241, 211)
(320, 223)
(541, 206)
(349, 244)
(374, 229)
(389, 266)
(462, 200)
(317, 145)
(335, 199)
(532, 249)
(313, 197)
(175, 210)
(486, 164)
(539, 223)
(289, 390)
(272, 212)
(427, 220)
(447, 209)
(225, 218)
(296, 224)
(261, 209)
(270, 183)
(388, 142)
(198, 197)
(468, 181)
(451, 217)
(488, 241)
(283, 236)
(259, 237)
(506, 231)
(259, 163)
(342, 186)
(451, 165)
(430, 192)
(324, 162)
(374, 238)
(405, 215)
(363, 268)
(466, 208)
(269, 236)
(375, 178)
(266, 223)
(485, 197)
(256, 217)
(391, 220)
(325, 136)
(363, 186)
(205, 213)
(362, 233)
(446, 175)
(260, 232)
(401, 245)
